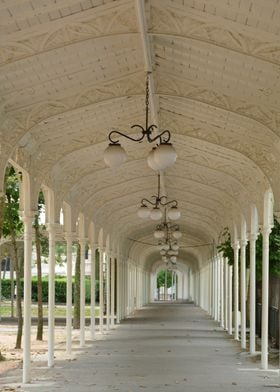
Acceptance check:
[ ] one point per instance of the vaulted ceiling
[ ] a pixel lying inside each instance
(73, 70)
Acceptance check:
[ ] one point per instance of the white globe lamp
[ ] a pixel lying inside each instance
(156, 214)
(158, 234)
(173, 213)
(164, 156)
(143, 212)
(114, 155)
(151, 160)
(177, 234)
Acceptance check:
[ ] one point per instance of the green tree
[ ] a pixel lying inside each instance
(161, 278)
(12, 228)
(2, 212)
(41, 244)
(274, 250)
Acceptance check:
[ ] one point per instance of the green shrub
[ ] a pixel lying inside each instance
(60, 289)
(6, 288)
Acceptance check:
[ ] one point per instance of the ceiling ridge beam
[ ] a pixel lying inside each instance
(140, 13)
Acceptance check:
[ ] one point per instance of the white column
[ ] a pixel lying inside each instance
(101, 294)
(213, 288)
(124, 288)
(27, 221)
(82, 294)
(243, 244)
(236, 290)
(265, 297)
(118, 290)
(108, 300)
(218, 288)
(243, 280)
(266, 229)
(230, 299)
(210, 288)
(222, 292)
(92, 290)
(253, 238)
(226, 293)
(172, 283)
(68, 238)
(113, 290)
(51, 292)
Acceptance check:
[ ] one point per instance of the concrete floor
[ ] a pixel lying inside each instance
(164, 347)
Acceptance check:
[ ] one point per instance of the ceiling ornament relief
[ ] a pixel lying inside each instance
(30, 116)
(116, 19)
(261, 152)
(170, 85)
(186, 22)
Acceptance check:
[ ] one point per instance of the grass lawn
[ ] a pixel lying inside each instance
(60, 310)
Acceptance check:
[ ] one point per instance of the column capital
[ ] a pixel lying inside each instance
(266, 230)
(93, 246)
(236, 245)
(68, 235)
(27, 215)
(253, 236)
(243, 243)
(82, 240)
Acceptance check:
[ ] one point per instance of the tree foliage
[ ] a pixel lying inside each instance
(161, 278)
(274, 250)
(13, 228)
(12, 220)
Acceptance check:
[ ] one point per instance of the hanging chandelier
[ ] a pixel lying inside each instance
(168, 235)
(157, 201)
(169, 251)
(166, 230)
(160, 157)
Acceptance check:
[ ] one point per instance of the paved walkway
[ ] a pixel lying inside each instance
(164, 347)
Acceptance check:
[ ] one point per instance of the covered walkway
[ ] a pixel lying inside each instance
(82, 82)
(170, 347)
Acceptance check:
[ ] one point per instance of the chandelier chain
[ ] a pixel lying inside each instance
(147, 101)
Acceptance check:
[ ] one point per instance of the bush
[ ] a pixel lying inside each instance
(60, 289)
(6, 288)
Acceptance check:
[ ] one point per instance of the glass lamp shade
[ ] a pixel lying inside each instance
(143, 212)
(151, 160)
(174, 213)
(158, 234)
(114, 155)
(165, 247)
(156, 214)
(177, 234)
(164, 156)
(175, 247)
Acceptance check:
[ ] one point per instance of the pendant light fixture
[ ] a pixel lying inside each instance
(162, 156)
(157, 201)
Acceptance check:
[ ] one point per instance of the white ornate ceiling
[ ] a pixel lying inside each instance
(71, 70)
